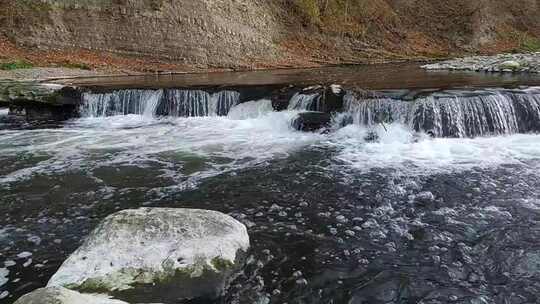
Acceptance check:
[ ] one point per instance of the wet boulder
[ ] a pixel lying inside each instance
(327, 99)
(60, 295)
(312, 121)
(157, 255)
(333, 98)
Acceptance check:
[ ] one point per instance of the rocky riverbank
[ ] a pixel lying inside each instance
(529, 63)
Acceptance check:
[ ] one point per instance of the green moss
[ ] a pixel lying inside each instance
(16, 65)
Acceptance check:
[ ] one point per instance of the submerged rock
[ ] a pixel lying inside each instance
(157, 255)
(60, 295)
(311, 121)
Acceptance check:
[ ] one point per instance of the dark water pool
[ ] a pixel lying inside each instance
(332, 218)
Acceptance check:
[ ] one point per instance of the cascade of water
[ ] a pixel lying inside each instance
(222, 102)
(454, 115)
(251, 109)
(306, 102)
(142, 102)
(185, 103)
(376, 110)
(177, 103)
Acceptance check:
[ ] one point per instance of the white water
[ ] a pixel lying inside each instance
(305, 102)
(221, 143)
(454, 114)
(176, 103)
(400, 149)
(142, 102)
(4, 111)
(251, 109)
(251, 135)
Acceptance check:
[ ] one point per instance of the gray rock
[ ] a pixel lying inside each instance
(60, 295)
(39, 101)
(157, 255)
(311, 121)
(529, 63)
(510, 65)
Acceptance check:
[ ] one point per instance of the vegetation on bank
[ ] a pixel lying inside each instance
(23, 64)
(530, 44)
(15, 65)
(347, 17)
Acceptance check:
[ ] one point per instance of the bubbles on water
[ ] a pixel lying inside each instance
(170, 145)
(404, 151)
(4, 273)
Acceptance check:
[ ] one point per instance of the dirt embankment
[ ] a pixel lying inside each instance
(191, 35)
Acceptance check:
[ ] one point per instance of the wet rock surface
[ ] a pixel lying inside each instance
(499, 63)
(12, 92)
(311, 121)
(157, 254)
(59, 295)
(154, 254)
(39, 101)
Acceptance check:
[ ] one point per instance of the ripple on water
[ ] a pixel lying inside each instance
(332, 217)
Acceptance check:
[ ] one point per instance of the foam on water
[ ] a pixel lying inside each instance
(252, 134)
(89, 143)
(4, 111)
(251, 109)
(399, 148)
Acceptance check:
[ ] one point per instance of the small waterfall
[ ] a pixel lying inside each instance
(222, 102)
(141, 102)
(173, 102)
(306, 102)
(453, 114)
(251, 109)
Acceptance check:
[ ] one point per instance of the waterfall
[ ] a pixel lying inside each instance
(306, 102)
(222, 102)
(454, 114)
(142, 102)
(170, 102)
(251, 109)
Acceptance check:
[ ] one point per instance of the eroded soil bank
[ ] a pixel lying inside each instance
(157, 35)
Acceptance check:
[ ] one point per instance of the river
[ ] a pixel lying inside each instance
(364, 213)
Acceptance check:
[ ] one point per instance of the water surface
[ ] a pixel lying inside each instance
(365, 213)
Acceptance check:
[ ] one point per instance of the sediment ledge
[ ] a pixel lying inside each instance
(529, 63)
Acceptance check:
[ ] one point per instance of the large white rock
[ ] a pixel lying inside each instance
(60, 295)
(510, 64)
(157, 255)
